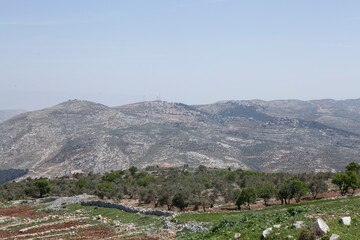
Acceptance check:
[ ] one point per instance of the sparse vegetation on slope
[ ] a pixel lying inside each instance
(84, 136)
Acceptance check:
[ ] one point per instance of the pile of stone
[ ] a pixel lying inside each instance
(194, 227)
(128, 208)
(63, 201)
(189, 226)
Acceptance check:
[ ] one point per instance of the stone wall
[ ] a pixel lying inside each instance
(128, 208)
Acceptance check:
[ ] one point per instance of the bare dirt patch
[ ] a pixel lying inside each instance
(99, 232)
(22, 211)
(144, 238)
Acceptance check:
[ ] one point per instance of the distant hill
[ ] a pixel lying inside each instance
(11, 174)
(7, 114)
(273, 136)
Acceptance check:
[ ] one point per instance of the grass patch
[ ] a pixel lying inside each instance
(251, 224)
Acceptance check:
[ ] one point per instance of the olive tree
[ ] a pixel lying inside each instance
(317, 185)
(247, 195)
(266, 192)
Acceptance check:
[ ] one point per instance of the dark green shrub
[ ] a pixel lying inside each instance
(307, 234)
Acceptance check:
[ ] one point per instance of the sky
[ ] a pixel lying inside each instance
(118, 52)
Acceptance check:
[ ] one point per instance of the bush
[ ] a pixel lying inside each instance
(307, 234)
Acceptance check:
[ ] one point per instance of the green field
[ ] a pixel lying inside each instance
(251, 223)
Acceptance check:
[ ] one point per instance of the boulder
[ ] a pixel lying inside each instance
(277, 226)
(298, 224)
(266, 232)
(334, 237)
(321, 227)
(346, 220)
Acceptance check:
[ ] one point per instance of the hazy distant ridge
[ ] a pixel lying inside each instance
(273, 136)
(7, 114)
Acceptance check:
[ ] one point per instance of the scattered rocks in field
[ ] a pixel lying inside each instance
(334, 237)
(189, 226)
(237, 235)
(130, 227)
(4, 219)
(266, 232)
(346, 220)
(321, 227)
(117, 223)
(102, 219)
(194, 227)
(298, 225)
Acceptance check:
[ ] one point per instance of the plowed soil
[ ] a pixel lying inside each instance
(95, 233)
(22, 211)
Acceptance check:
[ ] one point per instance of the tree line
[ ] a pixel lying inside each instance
(184, 187)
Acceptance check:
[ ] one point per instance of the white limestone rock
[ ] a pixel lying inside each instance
(346, 220)
(321, 227)
(298, 224)
(266, 232)
(334, 237)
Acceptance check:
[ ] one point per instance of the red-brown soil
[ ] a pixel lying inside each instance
(22, 211)
(95, 233)
(144, 238)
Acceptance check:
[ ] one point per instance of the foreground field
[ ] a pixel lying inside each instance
(27, 221)
(251, 224)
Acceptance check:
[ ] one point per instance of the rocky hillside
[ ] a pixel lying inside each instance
(292, 136)
(7, 114)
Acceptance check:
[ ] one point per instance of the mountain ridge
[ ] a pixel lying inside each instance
(7, 114)
(251, 134)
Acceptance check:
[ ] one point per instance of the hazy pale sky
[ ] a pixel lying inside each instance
(191, 51)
